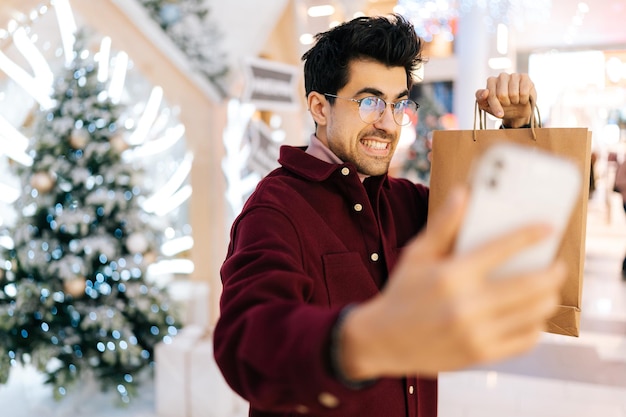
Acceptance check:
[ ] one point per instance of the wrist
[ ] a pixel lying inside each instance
(515, 123)
(342, 366)
(355, 342)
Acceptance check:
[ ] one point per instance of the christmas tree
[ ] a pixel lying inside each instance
(417, 164)
(74, 298)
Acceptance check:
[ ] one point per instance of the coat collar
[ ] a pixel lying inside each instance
(298, 161)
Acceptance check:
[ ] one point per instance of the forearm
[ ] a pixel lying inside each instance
(276, 357)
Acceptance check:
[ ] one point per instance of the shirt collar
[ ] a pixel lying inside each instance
(317, 149)
(299, 161)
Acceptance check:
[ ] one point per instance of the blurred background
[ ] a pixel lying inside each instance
(200, 95)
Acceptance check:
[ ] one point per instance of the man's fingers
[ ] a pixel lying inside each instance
(520, 308)
(526, 90)
(519, 340)
(481, 95)
(498, 94)
(513, 89)
(504, 91)
(492, 254)
(516, 330)
(443, 225)
(535, 295)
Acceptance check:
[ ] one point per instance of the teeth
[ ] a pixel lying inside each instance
(375, 144)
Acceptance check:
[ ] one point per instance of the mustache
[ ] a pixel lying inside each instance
(381, 134)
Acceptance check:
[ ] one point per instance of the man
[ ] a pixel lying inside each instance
(331, 304)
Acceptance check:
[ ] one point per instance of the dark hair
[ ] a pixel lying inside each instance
(389, 40)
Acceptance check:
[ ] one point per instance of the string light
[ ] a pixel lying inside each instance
(148, 117)
(37, 85)
(23, 20)
(439, 17)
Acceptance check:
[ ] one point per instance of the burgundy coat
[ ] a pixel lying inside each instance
(310, 240)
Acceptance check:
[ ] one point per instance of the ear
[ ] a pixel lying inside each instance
(318, 106)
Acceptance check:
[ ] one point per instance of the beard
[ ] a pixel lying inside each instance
(370, 165)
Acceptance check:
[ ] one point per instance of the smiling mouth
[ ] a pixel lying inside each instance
(375, 145)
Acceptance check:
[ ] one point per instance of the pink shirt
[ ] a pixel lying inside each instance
(320, 151)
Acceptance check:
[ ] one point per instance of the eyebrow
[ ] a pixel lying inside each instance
(379, 93)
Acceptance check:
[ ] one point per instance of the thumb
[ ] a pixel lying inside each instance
(482, 94)
(443, 225)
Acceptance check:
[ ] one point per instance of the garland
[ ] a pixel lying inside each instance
(187, 24)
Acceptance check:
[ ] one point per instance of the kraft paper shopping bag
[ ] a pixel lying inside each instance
(453, 152)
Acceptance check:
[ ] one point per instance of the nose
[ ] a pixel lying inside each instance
(386, 121)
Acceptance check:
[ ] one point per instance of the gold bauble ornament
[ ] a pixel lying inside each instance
(79, 138)
(75, 287)
(42, 182)
(149, 258)
(118, 143)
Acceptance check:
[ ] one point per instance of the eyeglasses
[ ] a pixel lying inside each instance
(371, 109)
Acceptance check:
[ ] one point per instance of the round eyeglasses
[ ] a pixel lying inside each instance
(371, 109)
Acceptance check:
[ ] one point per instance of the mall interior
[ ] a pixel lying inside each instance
(211, 89)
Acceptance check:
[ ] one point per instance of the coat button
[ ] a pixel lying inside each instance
(411, 389)
(374, 257)
(358, 207)
(328, 400)
(345, 171)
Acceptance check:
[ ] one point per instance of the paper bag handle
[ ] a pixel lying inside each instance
(535, 118)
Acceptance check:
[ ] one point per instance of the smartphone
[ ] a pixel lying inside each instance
(512, 186)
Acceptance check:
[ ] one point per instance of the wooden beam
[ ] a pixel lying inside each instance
(204, 122)
(12, 9)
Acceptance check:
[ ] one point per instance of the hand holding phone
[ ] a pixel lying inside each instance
(513, 186)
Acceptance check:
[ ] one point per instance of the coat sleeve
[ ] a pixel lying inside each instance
(272, 346)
